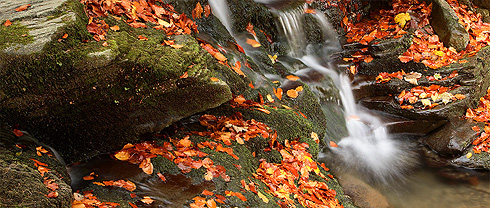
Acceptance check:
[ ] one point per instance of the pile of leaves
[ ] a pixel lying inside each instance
(427, 97)
(426, 47)
(481, 114)
(290, 180)
(136, 14)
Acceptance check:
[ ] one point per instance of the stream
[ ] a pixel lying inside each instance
(390, 164)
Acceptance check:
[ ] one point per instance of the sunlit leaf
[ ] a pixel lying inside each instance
(402, 19)
(22, 8)
(253, 43)
(7, 23)
(147, 200)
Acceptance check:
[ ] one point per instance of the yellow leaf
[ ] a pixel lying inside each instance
(402, 19)
(164, 23)
(264, 198)
(439, 53)
(469, 155)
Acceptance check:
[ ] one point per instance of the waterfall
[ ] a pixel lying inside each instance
(368, 147)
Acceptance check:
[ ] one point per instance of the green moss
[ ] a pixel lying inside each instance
(14, 34)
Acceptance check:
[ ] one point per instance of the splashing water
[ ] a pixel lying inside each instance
(368, 147)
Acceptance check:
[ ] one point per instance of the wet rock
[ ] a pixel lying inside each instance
(445, 23)
(482, 3)
(453, 138)
(363, 195)
(97, 98)
(476, 161)
(22, 183)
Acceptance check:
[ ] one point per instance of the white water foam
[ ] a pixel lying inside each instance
(368, 147)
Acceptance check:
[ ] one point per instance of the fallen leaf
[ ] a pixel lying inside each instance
(402, 19)
(52, 194)
(292, 77)
(278, 93)
(253, 43)
(176, 46)
(214, 79)
(105, 44)
(197, 11)
(211, 203)
(333, 144)
(115, 28)
(147, 200)
(140, 37)
(413, 77)
(315, 138)
(292, 93)
(261, 196)
(22, 8)
(7, 23)
(65, 36)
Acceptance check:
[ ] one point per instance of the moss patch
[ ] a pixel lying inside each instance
(15, 33)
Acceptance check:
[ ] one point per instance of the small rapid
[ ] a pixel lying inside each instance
(368, 148)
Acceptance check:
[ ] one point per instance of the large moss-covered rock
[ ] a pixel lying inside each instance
(83, 96)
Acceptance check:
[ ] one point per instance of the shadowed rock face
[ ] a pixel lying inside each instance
(445, 23)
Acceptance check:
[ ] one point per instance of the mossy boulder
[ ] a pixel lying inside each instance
(22, 183)
(84, 96)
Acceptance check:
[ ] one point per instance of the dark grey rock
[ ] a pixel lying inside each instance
(446, 24)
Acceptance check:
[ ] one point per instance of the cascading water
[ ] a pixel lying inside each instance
(368, 147)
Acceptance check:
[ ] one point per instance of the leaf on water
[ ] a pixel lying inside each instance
(22, 8)
(253, 43)
(402, 19)
(7, 23)
(333, 144)
(207, 10)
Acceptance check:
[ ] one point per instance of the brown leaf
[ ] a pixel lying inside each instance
(196, 13)
(207, 10)
(52, 194)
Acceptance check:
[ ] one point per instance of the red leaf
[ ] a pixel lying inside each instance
(22, 8)
(7, 23)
